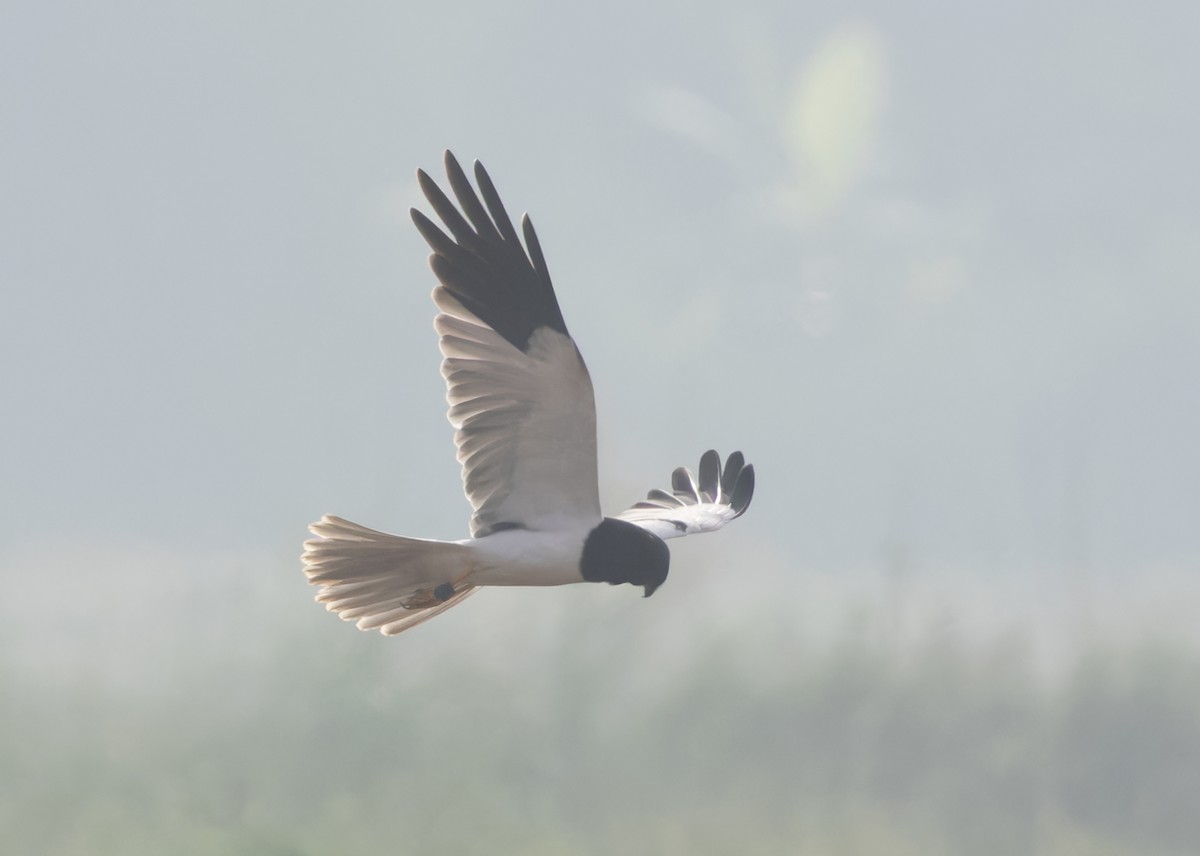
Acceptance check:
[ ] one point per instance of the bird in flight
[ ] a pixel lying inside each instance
(524, 415)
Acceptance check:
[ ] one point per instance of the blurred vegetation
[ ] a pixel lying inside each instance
(321, 746)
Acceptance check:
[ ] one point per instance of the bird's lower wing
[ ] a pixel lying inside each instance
(693, 506)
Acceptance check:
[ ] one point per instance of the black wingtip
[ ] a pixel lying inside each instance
(534, 248)
(743, 491)
(683, 484)
(482, 261)
(424, 181)
(733, 466)
(663, 499)
(710, 475)
(495, 206)
(424, 225)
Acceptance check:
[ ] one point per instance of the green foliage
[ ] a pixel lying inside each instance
(323, 746)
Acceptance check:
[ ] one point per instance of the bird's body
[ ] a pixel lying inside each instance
(518, 557)
(522, 404)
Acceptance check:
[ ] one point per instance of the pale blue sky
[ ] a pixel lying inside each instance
(935, 269)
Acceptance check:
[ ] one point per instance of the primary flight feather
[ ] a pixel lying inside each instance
(524, 415)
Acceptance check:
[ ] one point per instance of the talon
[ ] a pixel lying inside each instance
(444, 592)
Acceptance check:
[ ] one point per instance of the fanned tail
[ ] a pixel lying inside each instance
(384, 581)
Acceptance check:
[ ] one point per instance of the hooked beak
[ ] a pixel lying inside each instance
(650, 589)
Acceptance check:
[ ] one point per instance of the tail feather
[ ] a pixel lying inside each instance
(353, 612)
(380, 580)
(421, 616)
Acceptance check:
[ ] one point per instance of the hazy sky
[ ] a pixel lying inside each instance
(935, 268)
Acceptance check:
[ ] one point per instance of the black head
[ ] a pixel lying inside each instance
(617, 552)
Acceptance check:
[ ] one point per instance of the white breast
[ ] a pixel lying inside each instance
(520, 557)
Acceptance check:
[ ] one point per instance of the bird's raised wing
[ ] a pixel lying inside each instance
(697, 506)
(519, 393)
